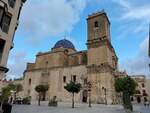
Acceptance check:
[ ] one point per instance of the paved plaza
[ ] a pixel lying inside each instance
(66, 108)
(141, 108)
(79, 108)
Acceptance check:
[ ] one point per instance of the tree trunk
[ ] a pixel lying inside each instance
(43, 96)
(72, 100)
(15, 97)
(39, 99)
(126, 101)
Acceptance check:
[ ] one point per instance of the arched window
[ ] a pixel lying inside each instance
(73, 78)
(95, 24)
(64, 79)
(30, 81)
(143, 85)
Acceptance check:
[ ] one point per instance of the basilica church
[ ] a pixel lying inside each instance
(98, 65)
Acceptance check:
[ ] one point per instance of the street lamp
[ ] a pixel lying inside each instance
(105, 94)
(89, 90)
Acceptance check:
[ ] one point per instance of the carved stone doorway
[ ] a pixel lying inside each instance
(138, 99)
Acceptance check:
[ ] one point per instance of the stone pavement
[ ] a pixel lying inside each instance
(79, 108)
(141, 108)
(66, 108)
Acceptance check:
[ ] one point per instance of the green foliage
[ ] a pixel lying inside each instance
(119, 84)
(12, 86)
(6, 92)
(26, 100)
(15, 87)
(73, 87)
(126, 84)
(41, 88)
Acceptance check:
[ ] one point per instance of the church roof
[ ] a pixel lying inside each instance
(65, 44)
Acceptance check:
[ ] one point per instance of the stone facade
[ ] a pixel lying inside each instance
(97, 65)
(20, 94)
(148, 87)
(9, 17)
(141, 93)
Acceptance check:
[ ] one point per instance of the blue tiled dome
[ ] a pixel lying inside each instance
(65, 44)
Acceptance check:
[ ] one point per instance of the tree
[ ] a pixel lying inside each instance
(12, 86)
(6, 92)
(73, 87)
(41, 89)
(127, 87)
(18, 88)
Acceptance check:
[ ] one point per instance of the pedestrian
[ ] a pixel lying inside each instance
(11, 100)
(145, 103)
(6, 107)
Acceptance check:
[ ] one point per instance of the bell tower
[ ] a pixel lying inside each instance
(98, 27)
(102, 60)
(98, 38)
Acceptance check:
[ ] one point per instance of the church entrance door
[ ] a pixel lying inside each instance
(85, 96)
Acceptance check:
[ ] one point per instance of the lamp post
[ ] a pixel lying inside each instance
(105, 94)
(89, 90)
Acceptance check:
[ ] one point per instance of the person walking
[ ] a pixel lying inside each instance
(6, 107)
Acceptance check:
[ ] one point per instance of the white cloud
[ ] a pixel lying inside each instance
(138, 64)
(16, 64)
(49, 18)
(135, 17)
(124, 3)
(142, 12)
(133, 11)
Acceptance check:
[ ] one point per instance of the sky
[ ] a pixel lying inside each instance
(43, 23)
